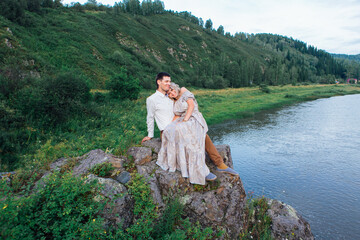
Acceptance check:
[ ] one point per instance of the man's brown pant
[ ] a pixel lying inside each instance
(211, 151)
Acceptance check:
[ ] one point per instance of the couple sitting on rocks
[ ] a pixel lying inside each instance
(183, 132)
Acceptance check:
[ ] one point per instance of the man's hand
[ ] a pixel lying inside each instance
(145, 139)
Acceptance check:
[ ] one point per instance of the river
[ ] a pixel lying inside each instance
(306, 155)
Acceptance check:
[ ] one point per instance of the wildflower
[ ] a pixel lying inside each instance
(94, 220)
(5, 206)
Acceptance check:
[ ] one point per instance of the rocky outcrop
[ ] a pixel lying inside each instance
(120, 209)
(95, 157)
(218, 204)
(287, 223)
(141, 155)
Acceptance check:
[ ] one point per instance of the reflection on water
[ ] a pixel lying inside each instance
(306, 155)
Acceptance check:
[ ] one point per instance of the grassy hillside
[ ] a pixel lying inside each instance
(98, 44)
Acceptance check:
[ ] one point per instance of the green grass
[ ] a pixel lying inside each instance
(219, 105)
(257, 224)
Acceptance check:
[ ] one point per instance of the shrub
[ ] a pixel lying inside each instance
(118, 58)
(63, 209)
(124, 86)
(64, 94)
(169, 219)
(102, 169)
(170, 226)
(291, 95)
(54, 99)
(99, 97)
(264, 88)
(257, 224)
(12, 82)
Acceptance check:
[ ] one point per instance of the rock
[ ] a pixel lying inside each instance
(93, 158)
(6, 176)
(220, 203)
(41, 182)
(146, 171)
(225, 153)
(120, 208)
(287, 223)
(124, 177)
(141, 155)
(9, 31)
(55, 166)
(117, 161)
(153, 143)
(8, 43)
(29, 62)
(217, 204)
(34, 74)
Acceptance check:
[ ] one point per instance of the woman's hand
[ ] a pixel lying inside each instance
(175, 117)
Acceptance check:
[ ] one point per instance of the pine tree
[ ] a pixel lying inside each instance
(220, 30)
(208, 24)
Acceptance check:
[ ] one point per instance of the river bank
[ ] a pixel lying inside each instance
(220, 105)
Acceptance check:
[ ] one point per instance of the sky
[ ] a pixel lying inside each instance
(331, 25)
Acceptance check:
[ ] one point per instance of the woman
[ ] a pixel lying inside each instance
(183, 141)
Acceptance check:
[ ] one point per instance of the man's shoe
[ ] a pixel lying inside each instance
(210, 177)
(228, 170)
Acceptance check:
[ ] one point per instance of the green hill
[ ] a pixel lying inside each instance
(348, 57)
(99, 42)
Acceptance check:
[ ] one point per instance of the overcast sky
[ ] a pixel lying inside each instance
(332, 25)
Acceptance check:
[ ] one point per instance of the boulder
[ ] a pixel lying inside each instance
(124, 177)
(6, 176)
(120, 209)
(287, 223)
(8, 43)
(58, 164)
(217, 204)
(141, 155)
(147, 171)
(154, 144)
(225, 153)
(94, 157)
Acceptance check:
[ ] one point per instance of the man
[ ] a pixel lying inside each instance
(160, 108)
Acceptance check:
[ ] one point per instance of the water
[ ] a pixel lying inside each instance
(306, 155)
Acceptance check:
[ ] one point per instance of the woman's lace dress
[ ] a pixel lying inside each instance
(183, 143)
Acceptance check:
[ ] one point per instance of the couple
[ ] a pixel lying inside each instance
(183, 132)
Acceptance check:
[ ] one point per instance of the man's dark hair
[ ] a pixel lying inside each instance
(160, 76)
